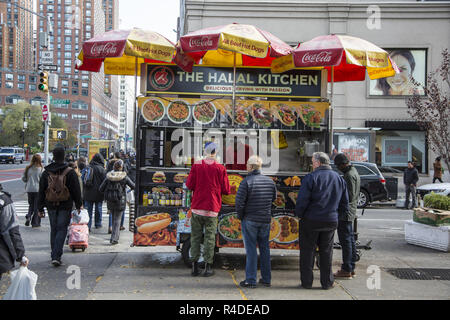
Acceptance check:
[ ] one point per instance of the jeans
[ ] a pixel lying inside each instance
(410, 190)
(315, 234)
(348, 245)
(256, 233)
(98, 213)
(59, 222)
(121, 221)
(33, 214)
(115, 224)
(199, 222)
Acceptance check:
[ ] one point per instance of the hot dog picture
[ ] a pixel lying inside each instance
(153, 222)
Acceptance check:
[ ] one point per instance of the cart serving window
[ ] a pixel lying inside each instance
(282, 118)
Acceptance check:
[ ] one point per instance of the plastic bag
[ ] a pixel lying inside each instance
(130, 196)
(81, 218)
(23, 284)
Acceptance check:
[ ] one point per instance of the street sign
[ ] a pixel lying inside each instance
(46, 57)
(44, 112)
(47, 67)
(60, 101)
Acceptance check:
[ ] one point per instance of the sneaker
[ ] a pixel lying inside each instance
(265, 284)
(342, 274)
(114, 242)
(27, 222)
(305, 287)
(353, 274)
(56, 263)
(245, 284)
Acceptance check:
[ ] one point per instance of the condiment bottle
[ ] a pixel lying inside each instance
(145, 199)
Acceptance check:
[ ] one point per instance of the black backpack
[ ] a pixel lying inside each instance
(114, 191)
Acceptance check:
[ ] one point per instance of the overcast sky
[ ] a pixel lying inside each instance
(155, 15)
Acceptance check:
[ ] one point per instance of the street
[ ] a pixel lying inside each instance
(123, 272)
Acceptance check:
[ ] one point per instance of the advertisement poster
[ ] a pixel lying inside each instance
(396, 151)
(355, 146)
(411, 62)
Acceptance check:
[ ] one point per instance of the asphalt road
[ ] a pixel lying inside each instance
(11, 180)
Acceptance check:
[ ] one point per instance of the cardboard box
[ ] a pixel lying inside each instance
(431, 217)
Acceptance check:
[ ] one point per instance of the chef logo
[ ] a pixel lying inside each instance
(161, 78)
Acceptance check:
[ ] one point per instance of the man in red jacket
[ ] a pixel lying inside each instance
(208, 180)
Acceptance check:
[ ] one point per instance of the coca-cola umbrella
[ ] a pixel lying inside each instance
(122, 51)
(348, 58)
(229, 45)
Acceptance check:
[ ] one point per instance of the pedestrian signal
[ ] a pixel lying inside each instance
(61, 134)
(43, 86)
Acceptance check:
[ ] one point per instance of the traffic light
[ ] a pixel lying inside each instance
(61, 134)
(43, 86)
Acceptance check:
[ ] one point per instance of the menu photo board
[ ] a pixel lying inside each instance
(257, 114)
(396, 151)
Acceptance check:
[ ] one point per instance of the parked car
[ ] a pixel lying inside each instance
(12, 155)
(373, 184)
(440, 188)
(389, 170)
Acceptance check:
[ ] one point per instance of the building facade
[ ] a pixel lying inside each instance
(370, 123)
(85, 100)
(126, 105)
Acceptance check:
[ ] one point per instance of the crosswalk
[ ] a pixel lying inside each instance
(22, 208)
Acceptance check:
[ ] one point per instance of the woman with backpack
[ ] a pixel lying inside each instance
(114, 190)
(31, 177)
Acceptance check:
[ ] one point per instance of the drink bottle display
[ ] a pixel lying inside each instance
(145, 199)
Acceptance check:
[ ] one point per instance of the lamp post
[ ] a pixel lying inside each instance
(26, 114)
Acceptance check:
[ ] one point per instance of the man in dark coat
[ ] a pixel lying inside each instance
(92, 195)
(321, 198)
(254, 208)
(59, 212)
(410, 179)
(11, 244)
(346, 219)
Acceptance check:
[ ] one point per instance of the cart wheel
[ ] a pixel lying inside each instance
(186, 246)
(358, 256)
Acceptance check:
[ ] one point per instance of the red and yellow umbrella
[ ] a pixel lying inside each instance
(120, 51)
(231, 45)
(348, 58)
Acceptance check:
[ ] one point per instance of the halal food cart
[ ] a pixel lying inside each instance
(282, 118)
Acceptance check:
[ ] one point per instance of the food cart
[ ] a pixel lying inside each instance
(280, 117)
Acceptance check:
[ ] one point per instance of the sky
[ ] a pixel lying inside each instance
(155, 15)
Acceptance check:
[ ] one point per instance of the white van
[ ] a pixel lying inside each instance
(11, 155)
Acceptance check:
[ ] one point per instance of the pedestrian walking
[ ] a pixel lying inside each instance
(59, 190)
(110, 167)
(321, 198)
(31, 177)
(410, 179)
(438, 170)
(254, 208)
(81, 162)
(11, 244)
(114, 189)
(209, 181)
(346, 219)
(93, 198)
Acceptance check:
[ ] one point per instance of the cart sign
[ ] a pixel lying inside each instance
(44, 112)
(259, 82)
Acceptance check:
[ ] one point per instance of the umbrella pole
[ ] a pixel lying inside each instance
(234, 88)
(331, 113)
(135, 104)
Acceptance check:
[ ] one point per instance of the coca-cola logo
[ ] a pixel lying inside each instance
(320, 57)
(104, 49)
(200, 42)
(161, 78)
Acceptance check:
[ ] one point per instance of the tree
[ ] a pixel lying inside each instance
(432, 113)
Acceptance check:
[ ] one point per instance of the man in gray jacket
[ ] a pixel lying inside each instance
(346, 219)
(253, 205)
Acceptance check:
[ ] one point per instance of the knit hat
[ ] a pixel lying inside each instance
(340, 159)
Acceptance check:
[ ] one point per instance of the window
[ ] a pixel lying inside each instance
(68, 55)
(74, 83)
(75, 92)
(363, 171)
(85, 85)
(21, 78)
(9, 76)
(65, 83)
(64, 91)
(79, 116)
(85, 92)
(67, 62)
(9, 84)
(21, 86)
(32, 87)
(67, 70)
(62, 115)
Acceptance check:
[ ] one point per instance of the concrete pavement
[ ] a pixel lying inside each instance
(122, 272)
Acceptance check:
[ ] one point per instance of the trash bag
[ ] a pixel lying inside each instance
(23, 284)
(81, 218)
(130, 196)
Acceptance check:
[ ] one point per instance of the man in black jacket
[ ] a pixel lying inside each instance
(253, 205)
(59, 212)
(410, 179)
(92, 195)
(11, 244)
